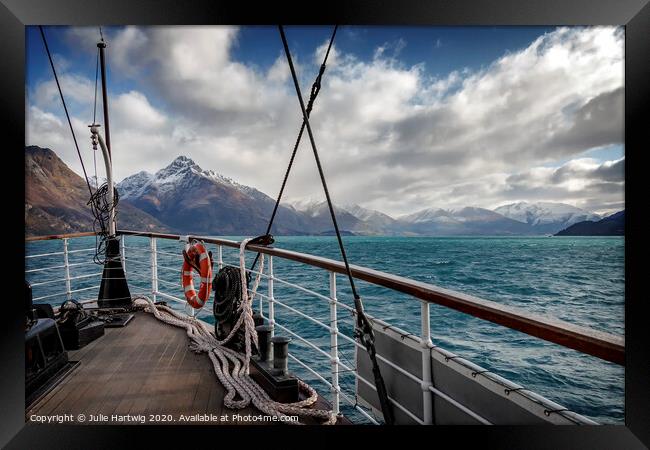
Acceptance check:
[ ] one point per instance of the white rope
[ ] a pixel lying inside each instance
(233, 368)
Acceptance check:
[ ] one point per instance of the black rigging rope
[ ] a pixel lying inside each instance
(227, 288)
(102, 218)
(315, 89)
(364, 329)
(318, 163)
(65, 108)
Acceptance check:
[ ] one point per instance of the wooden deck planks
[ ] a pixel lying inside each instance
(143, 368)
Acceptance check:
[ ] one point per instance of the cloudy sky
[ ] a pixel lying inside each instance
(407, 118)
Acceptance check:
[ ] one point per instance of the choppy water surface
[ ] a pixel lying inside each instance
(580, 280)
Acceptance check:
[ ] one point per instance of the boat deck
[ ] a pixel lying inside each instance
(145, 368)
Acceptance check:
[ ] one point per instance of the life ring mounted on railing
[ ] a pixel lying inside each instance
(196, 257)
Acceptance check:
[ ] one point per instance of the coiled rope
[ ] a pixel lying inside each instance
(228, 294)
(233, 368)
(102, 210)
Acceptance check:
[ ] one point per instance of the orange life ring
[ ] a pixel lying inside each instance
(196, 252)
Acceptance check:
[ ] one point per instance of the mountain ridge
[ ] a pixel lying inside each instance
(612, 225)
(546, 217)
(185, 198)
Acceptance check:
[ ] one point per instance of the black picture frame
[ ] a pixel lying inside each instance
(633, 14)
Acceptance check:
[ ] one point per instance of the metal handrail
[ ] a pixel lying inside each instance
(603, 345)
(59, 236)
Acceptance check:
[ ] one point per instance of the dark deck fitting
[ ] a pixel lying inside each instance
(264, 342)
(144, 368)
(114, 289)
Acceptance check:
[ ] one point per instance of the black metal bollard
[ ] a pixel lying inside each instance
(281, 354)
(258, 319)
(264, 341)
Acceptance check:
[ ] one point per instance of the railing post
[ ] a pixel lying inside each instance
(261, 307)
(220, 256)
(334, 345)
(427, 376)
(271, 298)
(154, 268)
(123, 252)
(66, 267)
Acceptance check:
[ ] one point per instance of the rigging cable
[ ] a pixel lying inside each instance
(315, 89)
(363, 329)
(65, 108)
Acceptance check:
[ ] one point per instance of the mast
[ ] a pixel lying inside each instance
(114, 289)
(102, 63)
(101, 45)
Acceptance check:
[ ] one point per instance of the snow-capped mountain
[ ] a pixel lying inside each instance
(613, 225)
(546, 217)
(177, 175)
(376, 219)
(189, 198)
(460, 221)
(134, 185)
(308, 206)
(424, 215)
(350, 217)
(321, 220)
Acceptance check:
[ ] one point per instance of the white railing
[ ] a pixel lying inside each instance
(139, 264)
(333, 353)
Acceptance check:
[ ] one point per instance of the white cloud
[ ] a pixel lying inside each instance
(279, 72)
(389, 136)
(75, 87)
(133, 111)
(583, 182)
(49, 130)
(382, 52)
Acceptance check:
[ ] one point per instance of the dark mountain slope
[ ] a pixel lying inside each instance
(56, 199)
(613, 225)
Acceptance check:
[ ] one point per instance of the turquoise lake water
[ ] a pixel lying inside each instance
(576, 279)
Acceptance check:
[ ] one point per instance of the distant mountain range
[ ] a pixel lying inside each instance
(546, 217)
(521, 218)
(613, 225)
(185, 198)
